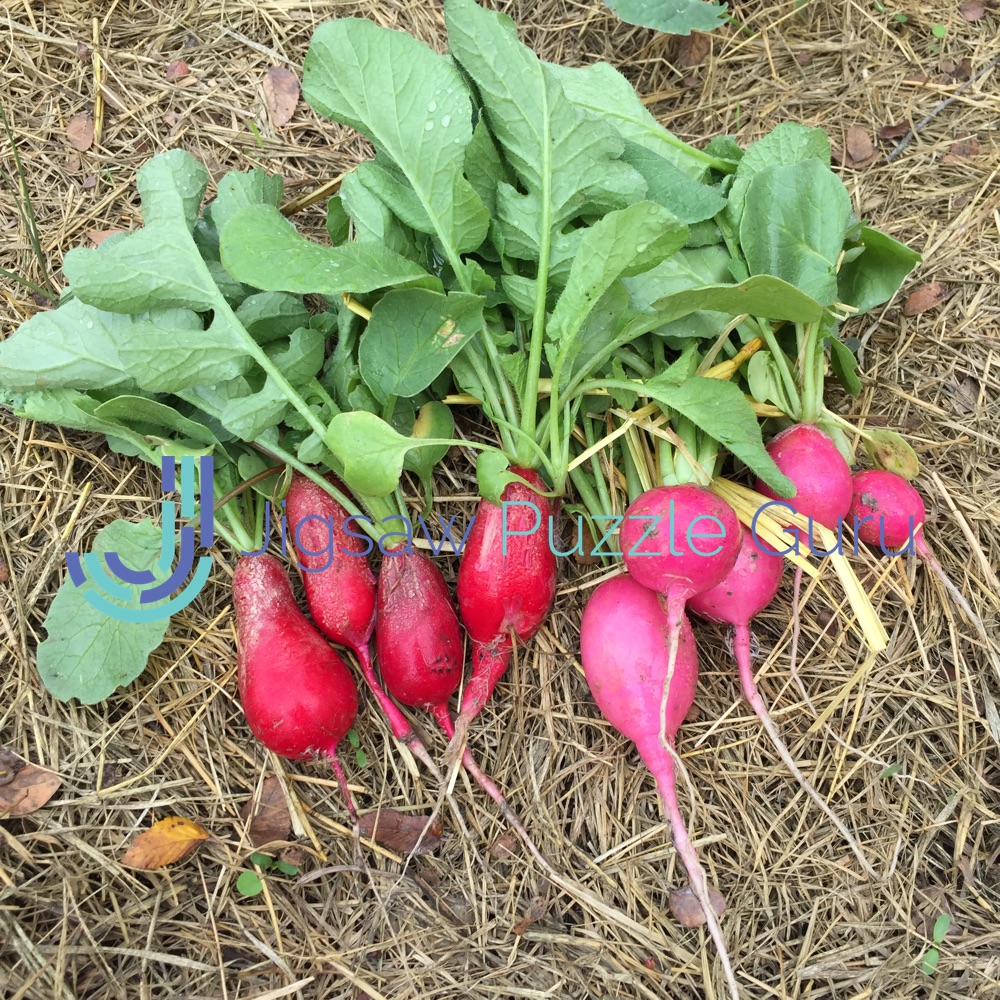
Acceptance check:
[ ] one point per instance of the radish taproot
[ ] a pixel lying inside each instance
(506, 583)
(418, 642)
(746, 590)
(298, 695)
(341, 589)
(888, 512)
(645, 695)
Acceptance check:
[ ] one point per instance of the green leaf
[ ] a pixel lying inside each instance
(625, 242)
(88, 654)
(338, 222)
(413, 105)
(261, 860)
(260, 247)
(238, 190)
(567, 163)
(353, 738)
(875, 275)
(721, 410)
(688, 199)
(249, 884)
(285, 868)
(604, 94)
(434, 420)
(371, 451)
(269, 316)
(785, 144)
(795, 220)
(930, 962)
(688, 268)
(941, 926)
(153, 417)
(412, 336)
(675, 17)
(159, 265)
(845, 365)
(243, 411)
(374, 221)
(891, 770)
(764, 380)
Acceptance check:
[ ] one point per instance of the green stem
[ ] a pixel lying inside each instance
(228, 536)
(778, 356)
(492, 400)
(812, 374)
(245, 542)
(635, 361)
(595, 465)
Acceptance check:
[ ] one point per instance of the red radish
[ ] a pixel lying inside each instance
(746, 590)
(679, 541)
(506, 584)
(645, 695)
(822, 480)
(298, 695)
(887, 511)
(418, 641)
(340, 588)
(821, 476)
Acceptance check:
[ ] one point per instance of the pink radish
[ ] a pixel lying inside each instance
(340, 588)
(887, 511)
(418, 641)
(822, 480)
(679, 541)
(746, 590)
(821, 476)
(298, 695)
(504, 596)
(645, 694)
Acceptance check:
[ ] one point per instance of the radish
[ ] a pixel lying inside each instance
(645, 695)
(821, 476)
(679, 541)
(887, 511)
(506, 584)
(418, 641)
(298, 695)
(340, 588)
(746, 590)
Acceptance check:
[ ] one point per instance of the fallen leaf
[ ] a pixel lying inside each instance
(80, 132)
(112, 100)
(270, 819)
(972, 10)
(965, 395)
(899, 131)
(804, 58)
(400, 832)
(534, 912)
(693, 49)
(503, 848)
(73, 163)
(281, 94)
(165, 842)
(926, 297)
(686, 909)
(585, 558)
(98, 236)
(294, 855)
(24, 788)
(89, 182)
(860, 147)
(177, 70)
(172, 119)
(962, 150)
(4, 571)
(454, 907)
(82, 51)
(929, 903)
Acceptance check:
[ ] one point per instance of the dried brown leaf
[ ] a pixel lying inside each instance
(688, 912)
(294, 855)
(24, 788)
(89, 182)
(926, 297)
(82, 51)
(860, 147)
(112, 100)
(98, 236)
(4, 571)
(504, 847)
(165, 842)
(73, 163)
(972, 10)
(535, 912)
(172, 119)
(269, 816)
(804, 58)
(965, 395)
(962, 150)
(80, 132)
(900, 131)
(929, 903)
(693, 49)
(452, 906)
(281, 94)
(177, 70)
(586, 540)
(401, 832)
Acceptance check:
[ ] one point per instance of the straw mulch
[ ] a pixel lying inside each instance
(906, 756)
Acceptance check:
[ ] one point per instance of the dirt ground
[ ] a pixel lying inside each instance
(906, 755)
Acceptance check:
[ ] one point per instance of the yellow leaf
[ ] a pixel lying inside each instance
(167, 841)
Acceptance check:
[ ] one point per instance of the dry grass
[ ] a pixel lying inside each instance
(907, 758)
